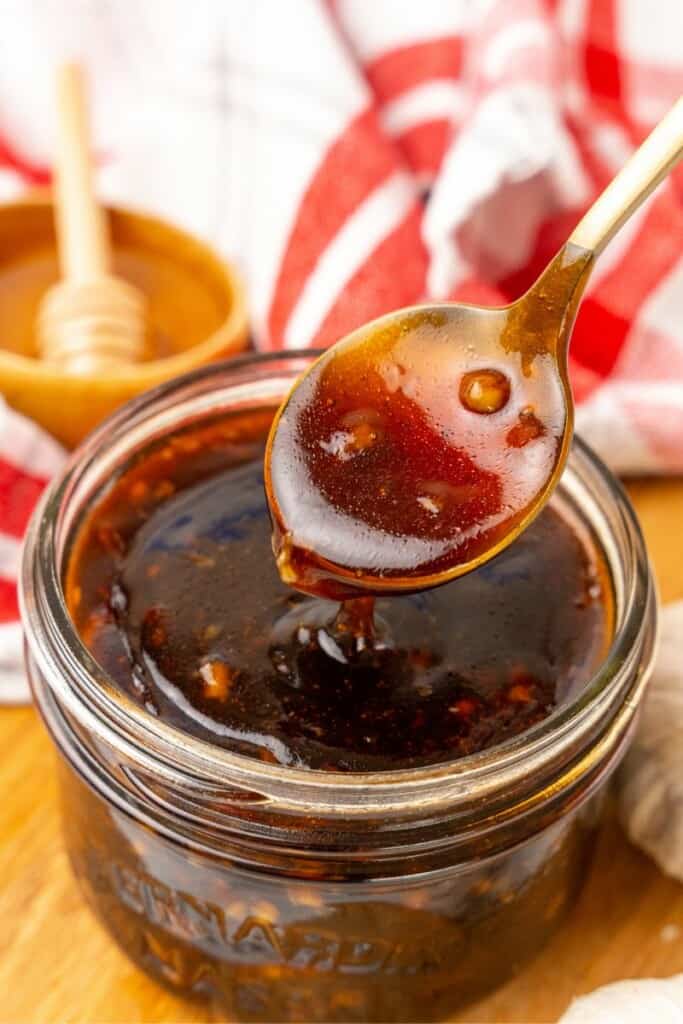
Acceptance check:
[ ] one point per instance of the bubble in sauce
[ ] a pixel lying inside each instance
(484, 391)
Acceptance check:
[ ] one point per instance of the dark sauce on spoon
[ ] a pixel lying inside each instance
(174, 589)
(403, 454)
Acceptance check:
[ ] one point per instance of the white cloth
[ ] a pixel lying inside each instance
(630, 1002)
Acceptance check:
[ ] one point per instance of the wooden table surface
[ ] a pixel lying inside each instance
(57, 965)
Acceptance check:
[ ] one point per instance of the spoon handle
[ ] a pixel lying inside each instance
(650, 164)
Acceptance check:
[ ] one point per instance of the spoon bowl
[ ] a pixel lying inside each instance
(422, 444)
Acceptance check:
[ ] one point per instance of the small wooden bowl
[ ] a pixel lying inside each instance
(196, 306)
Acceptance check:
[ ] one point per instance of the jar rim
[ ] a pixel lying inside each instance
(88, 693)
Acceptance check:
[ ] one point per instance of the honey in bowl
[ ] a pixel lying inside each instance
(195, 305)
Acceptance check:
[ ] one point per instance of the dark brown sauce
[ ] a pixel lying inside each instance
(389, 462)
(173, 587)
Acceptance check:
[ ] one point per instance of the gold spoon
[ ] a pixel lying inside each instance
(422, 444)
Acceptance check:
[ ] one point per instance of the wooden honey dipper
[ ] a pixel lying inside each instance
(91, 320)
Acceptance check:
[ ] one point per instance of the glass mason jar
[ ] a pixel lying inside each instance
(285, 894)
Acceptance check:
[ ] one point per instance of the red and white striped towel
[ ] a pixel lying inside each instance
(355, 156)
(28, 458)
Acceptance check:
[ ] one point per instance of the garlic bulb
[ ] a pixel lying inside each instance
(651, 778)
(630, 1002)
